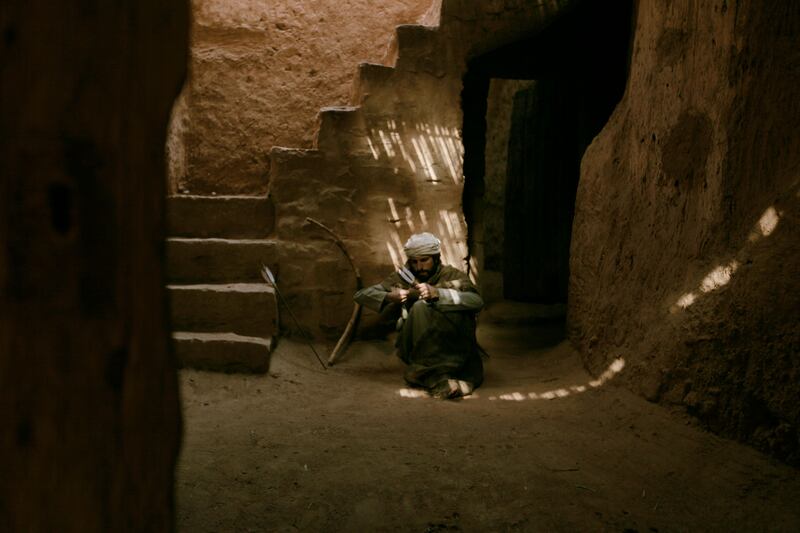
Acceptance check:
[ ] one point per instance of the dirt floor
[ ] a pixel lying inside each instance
(542, 446)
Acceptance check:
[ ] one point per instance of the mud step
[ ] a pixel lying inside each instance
(406, 36)
(243, 308)
(230, 217)
(418, 49)
(191, 260)
(371, 77)
(339, 128)
(224, 352)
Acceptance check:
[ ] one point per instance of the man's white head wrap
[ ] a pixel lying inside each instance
(422, 244)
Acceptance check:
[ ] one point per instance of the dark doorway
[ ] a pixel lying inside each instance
(577, 69)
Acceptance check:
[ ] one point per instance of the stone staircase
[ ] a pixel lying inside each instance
(224, 317)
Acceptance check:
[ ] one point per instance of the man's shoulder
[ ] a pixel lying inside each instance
(452, 272)
(452, 278)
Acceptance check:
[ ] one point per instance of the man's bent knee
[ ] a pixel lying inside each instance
(420, 307)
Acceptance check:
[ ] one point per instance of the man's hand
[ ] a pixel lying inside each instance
(401, 296)
(429, 293)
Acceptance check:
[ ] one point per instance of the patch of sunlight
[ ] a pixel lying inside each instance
(444, 150)
(686, 300)
(393, 211)
(395, 236)
(766, 224)
(375, 154)
(719, 277)
(387, 144)
(722, 275)
(398, 140)
(613, 369)
(421, 158)
(426, 149)
(447, 252)
(412, 393)
(768, 221)
(429, 161)
(410, 219)
(418, 393)
(473, 270)
(393, 255)
(448, 222)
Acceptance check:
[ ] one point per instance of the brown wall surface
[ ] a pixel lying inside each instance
(88, 389)
(260, 72)
(684, 253)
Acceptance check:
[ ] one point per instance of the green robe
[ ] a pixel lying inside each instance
(437, 340)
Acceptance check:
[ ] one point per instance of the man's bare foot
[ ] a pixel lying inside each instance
(451, 389)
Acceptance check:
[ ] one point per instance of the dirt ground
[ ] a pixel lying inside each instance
(542, 446)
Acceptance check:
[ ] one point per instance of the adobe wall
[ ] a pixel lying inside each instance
(260, 72)
(685, 244)
(88, 388)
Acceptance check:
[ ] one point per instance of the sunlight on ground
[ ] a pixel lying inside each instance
(722, 274)
(613, 369)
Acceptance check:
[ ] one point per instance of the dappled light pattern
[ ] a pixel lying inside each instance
(431, 152)
(766, 224)
(718, 277)
(721, 275)
(433, 156)
(613, 369)
(448, 225)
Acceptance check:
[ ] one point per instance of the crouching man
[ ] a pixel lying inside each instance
(435, 308)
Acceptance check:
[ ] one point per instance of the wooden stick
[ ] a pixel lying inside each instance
(352, 323)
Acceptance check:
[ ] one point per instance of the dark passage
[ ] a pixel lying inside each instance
(579, 69)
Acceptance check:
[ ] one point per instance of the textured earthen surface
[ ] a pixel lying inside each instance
(260, 72)
(88, 389)
(543, 446)
(684, 255)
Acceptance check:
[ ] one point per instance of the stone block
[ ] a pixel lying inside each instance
(417, 49)
(218, 260)
(225, 352)
(231, 217)
(339, 127)
(371, 77)
(242, 308)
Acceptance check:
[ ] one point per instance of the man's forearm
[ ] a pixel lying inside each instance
(453, 300)
(372, 297)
